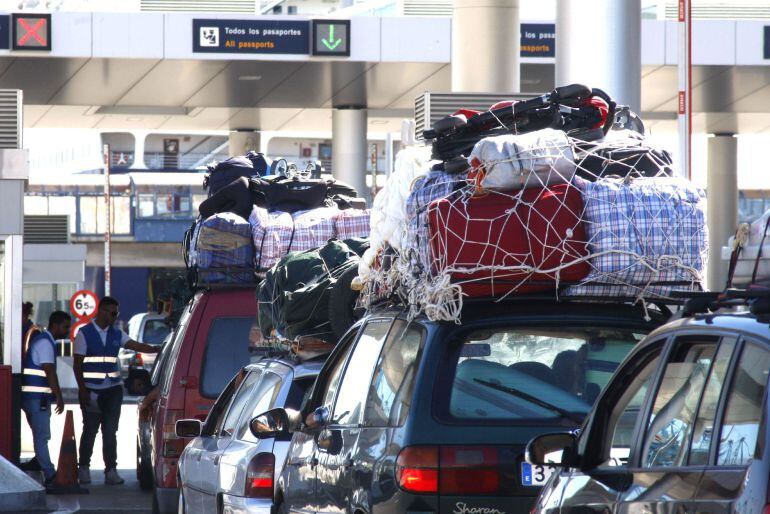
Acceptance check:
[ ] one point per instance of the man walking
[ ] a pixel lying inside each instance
(100, 388)
(40, 386)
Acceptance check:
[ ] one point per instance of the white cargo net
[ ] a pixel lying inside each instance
(543, 214)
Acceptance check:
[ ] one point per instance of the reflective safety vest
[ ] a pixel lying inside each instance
(34, 383)
(101, 360)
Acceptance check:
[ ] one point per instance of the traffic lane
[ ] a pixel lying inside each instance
(102, 498)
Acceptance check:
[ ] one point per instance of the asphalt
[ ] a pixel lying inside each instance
(117, 499)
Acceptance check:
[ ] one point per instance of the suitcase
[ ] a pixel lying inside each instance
(492, 244)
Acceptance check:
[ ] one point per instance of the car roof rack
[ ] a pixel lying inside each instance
(756, 298)
(223, 278)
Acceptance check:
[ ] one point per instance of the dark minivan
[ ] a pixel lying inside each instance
(421, 416)
(681, 428)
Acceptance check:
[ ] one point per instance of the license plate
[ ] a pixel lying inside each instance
(534, 475)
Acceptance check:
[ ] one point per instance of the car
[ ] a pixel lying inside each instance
(146, 327)
(681, 427)
(144, 470)
(225, 468)
(418, 415)
(216, 336)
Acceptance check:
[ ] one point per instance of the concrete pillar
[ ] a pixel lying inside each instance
(349, 147)
(485, 46)
(722, 210)
(139, 140)
(243, 140)
(599, 44)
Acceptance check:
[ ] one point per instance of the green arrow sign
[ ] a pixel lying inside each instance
(330, 42)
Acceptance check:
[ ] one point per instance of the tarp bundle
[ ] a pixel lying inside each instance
(221, 249)
(294, 298)
(542, 212)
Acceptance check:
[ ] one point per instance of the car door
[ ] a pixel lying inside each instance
(337, 443)
(736, 453)
(190, 463)
(298, 480)
(663, 477)
(214, 446)
(608, 441)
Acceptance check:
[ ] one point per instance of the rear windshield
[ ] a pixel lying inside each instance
(515, 374)
(231, 345)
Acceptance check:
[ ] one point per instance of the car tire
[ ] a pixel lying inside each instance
(143, 471)
(342, 303)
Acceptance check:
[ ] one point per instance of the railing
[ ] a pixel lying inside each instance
(189, 161)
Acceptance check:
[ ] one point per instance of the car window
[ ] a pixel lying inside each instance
(155, 331)
(160, 363)
(628, 408)
(390, 392)
(676, 401)
(533, 373)
(239, 401)
(216, 416)
(348, 408)
(262, 399)
(230, 345)
(329, 382)
(184, 322)
(738, 436)
(703, 429)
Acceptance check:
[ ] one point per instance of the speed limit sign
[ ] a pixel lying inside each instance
(83, 304)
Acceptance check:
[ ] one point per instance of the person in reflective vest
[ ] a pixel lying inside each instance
(40, 387)
(100, 387)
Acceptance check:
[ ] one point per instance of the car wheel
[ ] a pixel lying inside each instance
(144, 472)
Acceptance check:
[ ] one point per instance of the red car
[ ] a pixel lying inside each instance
(217, 335)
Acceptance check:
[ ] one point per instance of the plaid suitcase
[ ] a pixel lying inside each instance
(497, 243)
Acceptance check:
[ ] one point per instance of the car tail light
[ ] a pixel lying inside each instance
(259, 476)
(417, 469)
(469, 470)
(449, 470)
(172, 445)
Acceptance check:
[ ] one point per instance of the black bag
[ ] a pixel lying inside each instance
(296, 195)
(223, 173)
(634, 161)
(259, 162)
(234, 197)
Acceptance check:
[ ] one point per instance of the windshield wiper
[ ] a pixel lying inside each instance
(537, 401)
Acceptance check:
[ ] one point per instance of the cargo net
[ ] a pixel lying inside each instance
(548, 215)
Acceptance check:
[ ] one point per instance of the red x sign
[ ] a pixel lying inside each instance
(31, 31)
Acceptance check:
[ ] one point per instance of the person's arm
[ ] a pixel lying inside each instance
(80, 350)
(141, 347)
(148, 402)
(53, 382)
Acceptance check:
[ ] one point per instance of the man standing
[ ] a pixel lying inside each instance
(100, 388)
(40, 386)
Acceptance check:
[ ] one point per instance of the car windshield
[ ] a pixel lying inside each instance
(155, 331)
(534, 374)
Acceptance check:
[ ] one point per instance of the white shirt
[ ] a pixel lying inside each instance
(81, 348)
(41, 350)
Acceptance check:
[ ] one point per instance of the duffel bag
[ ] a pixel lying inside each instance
(521, 161)
(223, 173)
(296, 195)
(497, 243)
(622, 155)
(223, 242)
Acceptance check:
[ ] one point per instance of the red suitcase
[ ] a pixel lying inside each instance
(484, 241)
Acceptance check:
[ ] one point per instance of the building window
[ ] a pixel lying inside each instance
(291, 9)
(92, 215)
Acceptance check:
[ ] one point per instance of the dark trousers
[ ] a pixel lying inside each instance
(109, 402)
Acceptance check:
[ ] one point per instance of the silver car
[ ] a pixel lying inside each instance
(225, 462)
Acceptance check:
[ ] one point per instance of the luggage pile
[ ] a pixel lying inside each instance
(560, 195)
(253, 218)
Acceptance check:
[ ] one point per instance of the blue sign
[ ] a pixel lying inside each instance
(767, 42)
(251, 36)
(5, 32)
(538, 40)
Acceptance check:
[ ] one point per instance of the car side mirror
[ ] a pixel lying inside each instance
(188, 428)
(273, 423)
(558, 449)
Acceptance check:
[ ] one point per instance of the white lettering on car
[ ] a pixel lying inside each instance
(462, 508)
